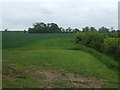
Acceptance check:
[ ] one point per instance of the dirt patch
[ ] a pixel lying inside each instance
(76, 80)
(88, 82)
(47, 64)
(50, 75)
(13, 72)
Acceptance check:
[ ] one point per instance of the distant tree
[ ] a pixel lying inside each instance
(37, 28)
(113, 31)
(76, 30)
(118, 31)
(66, 30)
(62, 30)
(69, 29)
(24, 31)
(54, 28)
(44, 28)
(103, 30)
(6, 30)
(92, 29)
(86, 29)
(112, 28)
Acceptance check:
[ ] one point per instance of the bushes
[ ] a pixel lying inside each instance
(91, 39)
(100, 42)
(112, 47)
(112, 35)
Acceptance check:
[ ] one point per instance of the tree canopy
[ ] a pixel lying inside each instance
(44, 28)
(103, 30)
(41, 27)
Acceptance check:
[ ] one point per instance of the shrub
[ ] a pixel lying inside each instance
(112, 47)
(112, 35)
(79, 36)
(91, 39)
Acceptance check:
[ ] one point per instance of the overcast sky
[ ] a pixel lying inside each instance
(20, 15)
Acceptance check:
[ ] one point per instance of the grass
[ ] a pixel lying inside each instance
(47, 60)
(18, 39)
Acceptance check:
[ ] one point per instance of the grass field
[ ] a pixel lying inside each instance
(54, 61)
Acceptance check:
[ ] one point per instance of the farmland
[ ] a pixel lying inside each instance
(54, 61)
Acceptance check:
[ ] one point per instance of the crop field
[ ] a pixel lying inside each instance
(54, 61)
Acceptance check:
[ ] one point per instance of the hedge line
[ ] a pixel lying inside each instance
(100, 42)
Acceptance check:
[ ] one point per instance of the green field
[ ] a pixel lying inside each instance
(54, 61)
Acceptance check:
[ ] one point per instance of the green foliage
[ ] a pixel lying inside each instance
(112, 47)
(44, 28)
(108, 43)
(76, 30)
(112, 35)
(86, 29)
(93, 29)
(25, 31)
(69, 29)
(90, 39)
(103, 30)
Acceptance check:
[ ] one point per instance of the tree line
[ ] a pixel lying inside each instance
(41, 27)
(50, 28)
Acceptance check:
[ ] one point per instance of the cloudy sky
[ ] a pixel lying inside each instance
(19, 15)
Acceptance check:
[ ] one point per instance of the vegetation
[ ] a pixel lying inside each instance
(49, 28)
(86, 29)
(112, 47)
(54, 61)
(112, 35)
(103, 30)
(90, 39)
(108, 43)
(19, 39)
(58, 57)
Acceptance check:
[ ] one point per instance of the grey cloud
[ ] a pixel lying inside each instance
(23, 15)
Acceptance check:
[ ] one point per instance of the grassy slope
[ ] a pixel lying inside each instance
(52, 54)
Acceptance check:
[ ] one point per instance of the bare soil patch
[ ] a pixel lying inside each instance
(52, 76)
(76, 80)
(14, 73)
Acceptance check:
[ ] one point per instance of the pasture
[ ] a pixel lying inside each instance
(54, 61)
